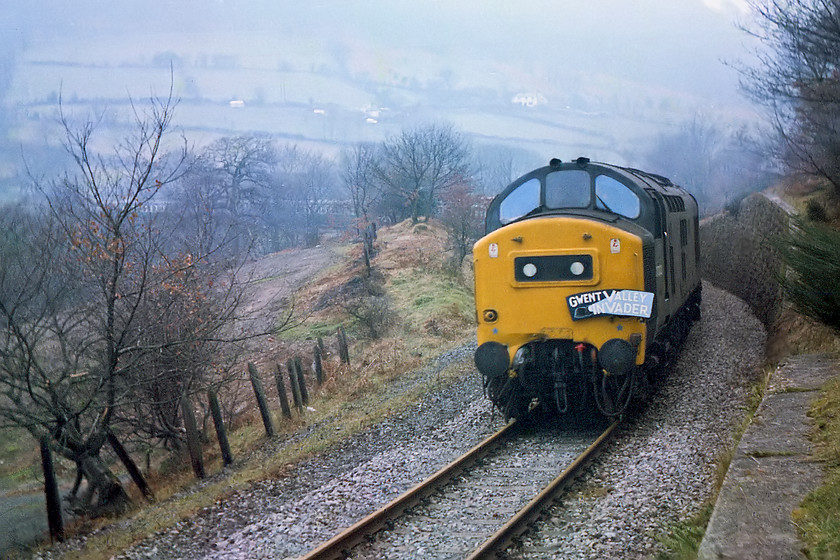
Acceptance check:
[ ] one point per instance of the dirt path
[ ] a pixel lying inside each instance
(273, 279)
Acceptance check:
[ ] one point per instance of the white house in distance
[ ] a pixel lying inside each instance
(529, 99)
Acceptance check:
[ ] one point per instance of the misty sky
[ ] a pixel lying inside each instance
(677, 43)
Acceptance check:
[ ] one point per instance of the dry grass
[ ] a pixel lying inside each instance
(819, 516)
(795, 334)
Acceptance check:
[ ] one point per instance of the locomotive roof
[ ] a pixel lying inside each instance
(641, 179)
(637, 175)
(645, 185)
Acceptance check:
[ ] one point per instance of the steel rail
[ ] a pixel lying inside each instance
(518, 524)
(339, 545)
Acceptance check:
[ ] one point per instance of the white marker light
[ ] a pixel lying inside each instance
(529, 270)
(577, 268)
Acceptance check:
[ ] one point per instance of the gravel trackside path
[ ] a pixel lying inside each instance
(658, 470)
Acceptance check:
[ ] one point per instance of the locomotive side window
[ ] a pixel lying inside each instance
(520, 201)
(613, 196)
(567, 189)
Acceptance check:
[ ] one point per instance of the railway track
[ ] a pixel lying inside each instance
(479, 503)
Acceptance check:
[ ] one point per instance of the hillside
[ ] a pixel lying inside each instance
(429, 311)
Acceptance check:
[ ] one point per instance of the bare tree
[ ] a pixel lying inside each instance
(797, 79)
(496, 166)
(313, 188)
(240, 169)
(90, 299)
(689, 156)
(303, 195)
(200, 220)
(717, 166)
(185, 346)
(282, 213)
(358, 175)
(691, 153)
(418, 165)
(462, 216)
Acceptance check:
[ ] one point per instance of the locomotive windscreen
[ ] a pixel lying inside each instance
(550, 189)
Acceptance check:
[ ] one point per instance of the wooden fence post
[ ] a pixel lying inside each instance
(366, 254)
(54, 518)
(193, 438)
(343, 352)
(304, 394)
(281, 392)
(293, 382)
(219, 424)
(130, 466)
(261, 400)
(318, 365)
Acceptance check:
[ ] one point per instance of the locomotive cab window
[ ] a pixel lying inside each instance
(616, 197)
(523, 199)
(567, 189)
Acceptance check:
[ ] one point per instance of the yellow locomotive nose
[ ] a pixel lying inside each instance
(555, 278)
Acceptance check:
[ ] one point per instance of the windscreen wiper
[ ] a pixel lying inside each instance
(605, 204)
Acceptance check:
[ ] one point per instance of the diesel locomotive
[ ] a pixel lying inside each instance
(587, 280)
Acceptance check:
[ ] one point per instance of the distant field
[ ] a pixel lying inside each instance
(547, 134)
(43, 81)
(302, 91)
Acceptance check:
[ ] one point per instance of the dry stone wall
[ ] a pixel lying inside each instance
(737, 254)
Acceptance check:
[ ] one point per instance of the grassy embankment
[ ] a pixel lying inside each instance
(819, 516)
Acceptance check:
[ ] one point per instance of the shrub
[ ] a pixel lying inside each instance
(815, 211)
(811, 252)
(368, 303)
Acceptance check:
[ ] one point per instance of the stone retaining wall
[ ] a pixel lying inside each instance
(737, 255)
